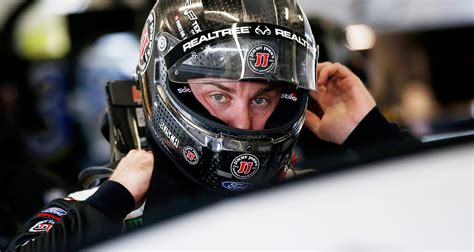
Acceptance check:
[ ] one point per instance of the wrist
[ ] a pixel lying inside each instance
(113, 200)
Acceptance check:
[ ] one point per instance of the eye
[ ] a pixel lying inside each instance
(219, 98)
(260, 101)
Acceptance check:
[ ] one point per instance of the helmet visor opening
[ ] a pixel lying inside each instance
(241, 106)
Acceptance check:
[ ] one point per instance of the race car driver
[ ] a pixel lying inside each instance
(225, 86)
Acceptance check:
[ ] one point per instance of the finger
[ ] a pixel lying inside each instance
(149, 159)
(312, 122)
(320, 66)
(142, 151)
(340, 71)
(330, 71)
(143, 157)
(326, 72)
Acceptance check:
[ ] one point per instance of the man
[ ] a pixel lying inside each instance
(243, 105)
(225, 88)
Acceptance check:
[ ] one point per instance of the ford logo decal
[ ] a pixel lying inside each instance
(236, 186)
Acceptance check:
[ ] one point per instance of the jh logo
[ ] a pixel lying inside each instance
(262, 59)
(245, 166)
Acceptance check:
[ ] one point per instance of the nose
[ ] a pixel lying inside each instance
(239, 117)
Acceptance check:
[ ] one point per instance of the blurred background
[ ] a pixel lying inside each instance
(415, 56)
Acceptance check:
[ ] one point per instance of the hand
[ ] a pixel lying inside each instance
(344, 101)
(134, 173)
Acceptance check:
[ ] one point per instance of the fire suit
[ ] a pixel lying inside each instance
(89, 216)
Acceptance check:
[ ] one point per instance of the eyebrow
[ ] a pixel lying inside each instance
(232, 91)
(220, 86)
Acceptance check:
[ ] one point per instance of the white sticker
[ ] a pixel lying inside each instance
(146, 42)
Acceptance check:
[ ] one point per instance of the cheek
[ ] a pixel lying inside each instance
(199, 95)
(259, 124)
(221, 112)
(210, 108)
(260, 119)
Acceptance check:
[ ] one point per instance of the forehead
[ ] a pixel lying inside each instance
(233, 84)
(222, 81)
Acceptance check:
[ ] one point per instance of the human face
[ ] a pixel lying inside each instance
(240, 104)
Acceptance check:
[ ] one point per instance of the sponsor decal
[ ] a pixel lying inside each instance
(42, 226)
(174, 140)
(190, 14)
(295, 37)
(179, 25)
(236, 186)
(261, 59)
(274, 31)
(184, 90)
(244, 166)
(211, 36)
(291, 97)
(192, 17)
(146, 42)
(190, 155)
(55, 211)
(261, 32)
(134, 223)
(162, 43)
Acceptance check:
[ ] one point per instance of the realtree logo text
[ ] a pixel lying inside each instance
(215, 35)
(275, 32)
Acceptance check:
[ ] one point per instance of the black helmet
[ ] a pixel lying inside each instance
(267, 41)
